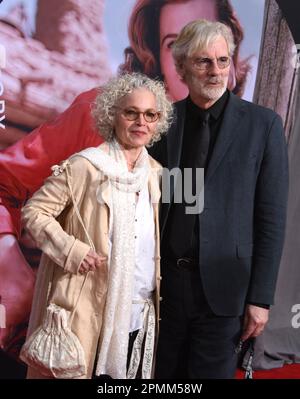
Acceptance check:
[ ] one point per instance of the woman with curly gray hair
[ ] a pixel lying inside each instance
(106, 104)
(96, 220)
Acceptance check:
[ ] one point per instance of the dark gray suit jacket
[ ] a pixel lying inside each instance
(242, 224)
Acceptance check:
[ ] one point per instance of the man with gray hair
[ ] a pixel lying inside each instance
(219, 267)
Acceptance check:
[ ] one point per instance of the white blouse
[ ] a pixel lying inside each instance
(144, 273)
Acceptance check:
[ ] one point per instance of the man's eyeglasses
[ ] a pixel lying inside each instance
(130, 114)
(205, 63)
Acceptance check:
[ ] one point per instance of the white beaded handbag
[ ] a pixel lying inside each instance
(53, 349)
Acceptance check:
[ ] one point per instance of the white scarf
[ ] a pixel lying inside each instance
(123, 184)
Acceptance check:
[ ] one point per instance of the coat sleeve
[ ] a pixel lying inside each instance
(269, 216)
(26, 164)
(39, 218)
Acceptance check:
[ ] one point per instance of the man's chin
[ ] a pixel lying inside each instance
(213, 93)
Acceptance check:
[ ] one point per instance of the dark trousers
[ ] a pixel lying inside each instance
(193, 341)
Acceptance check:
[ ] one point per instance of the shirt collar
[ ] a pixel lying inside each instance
(215, 110)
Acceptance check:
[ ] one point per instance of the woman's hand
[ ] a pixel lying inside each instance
(91, 262)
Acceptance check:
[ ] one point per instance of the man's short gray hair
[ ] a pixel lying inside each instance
(198, 35)
(118, 87)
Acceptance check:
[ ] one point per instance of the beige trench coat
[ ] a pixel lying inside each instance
(50, 218)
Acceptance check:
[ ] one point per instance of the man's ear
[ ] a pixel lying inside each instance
(180, 69)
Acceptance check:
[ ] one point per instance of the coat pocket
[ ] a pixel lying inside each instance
(244, 250)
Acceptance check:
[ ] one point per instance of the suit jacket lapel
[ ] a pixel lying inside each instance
(174, 148)
(175, 135)
(228, 132)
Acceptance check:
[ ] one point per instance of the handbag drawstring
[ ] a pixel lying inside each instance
(89, 240)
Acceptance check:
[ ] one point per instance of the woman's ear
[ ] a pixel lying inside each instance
(232, 77)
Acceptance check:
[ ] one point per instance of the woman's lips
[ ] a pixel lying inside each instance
(138, 133)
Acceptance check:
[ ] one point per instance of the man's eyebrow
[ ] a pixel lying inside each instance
(210, 58)
(169, 36)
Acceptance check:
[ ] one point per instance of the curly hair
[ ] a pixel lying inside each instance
(143, 54)
(110, 94)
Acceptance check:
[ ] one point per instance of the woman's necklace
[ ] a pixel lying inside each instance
(132, 164)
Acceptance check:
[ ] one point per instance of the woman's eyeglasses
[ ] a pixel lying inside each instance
(130, 114)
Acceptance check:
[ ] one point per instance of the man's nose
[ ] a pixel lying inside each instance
(214, 68)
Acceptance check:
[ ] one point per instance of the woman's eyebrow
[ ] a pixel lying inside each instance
(169, 36)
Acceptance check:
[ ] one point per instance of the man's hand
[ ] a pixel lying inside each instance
(16, 286)
(91, 262)
(254, 322)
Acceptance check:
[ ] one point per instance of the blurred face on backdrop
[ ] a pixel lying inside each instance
(136, 119)
(206, 72)
(173, 18)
